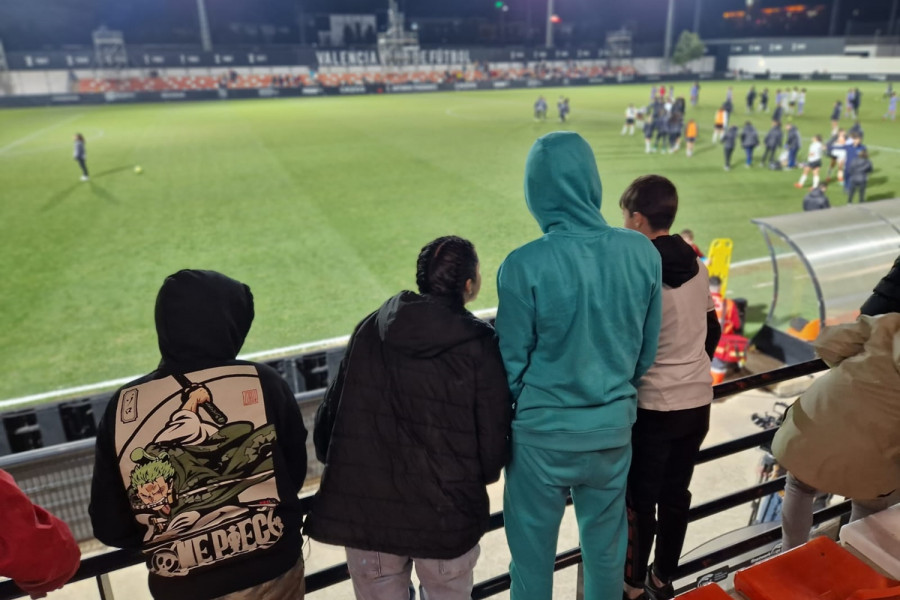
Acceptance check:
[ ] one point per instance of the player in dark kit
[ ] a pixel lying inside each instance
(835, 117)
(80, 155)
(728, 142)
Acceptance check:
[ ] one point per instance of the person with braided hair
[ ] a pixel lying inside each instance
(412, 429)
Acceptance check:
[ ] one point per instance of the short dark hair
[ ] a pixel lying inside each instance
(444, 266)
(655, 197)
(715, 282)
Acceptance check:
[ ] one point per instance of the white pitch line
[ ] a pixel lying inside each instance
(98, 134)
(261, 355)
(37, 133)
(752, 261)
(885, 148)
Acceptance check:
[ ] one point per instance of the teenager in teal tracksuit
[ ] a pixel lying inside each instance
(578, 322)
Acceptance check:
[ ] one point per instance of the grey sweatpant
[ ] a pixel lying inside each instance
(382, 576)
(797, 510)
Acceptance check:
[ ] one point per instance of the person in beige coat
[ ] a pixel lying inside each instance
(843, 435)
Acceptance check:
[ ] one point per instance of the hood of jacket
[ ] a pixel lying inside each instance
(679, 261)
(202, 317)
(860, 166)
(425, 326)
(562, 185)
(815, 194)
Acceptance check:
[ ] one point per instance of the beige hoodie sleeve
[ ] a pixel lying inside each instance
(838, 343)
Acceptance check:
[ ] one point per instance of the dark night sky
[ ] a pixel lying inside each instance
(40, 23)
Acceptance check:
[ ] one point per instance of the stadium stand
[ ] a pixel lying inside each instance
(343, 76)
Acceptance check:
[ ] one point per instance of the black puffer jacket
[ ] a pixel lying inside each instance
(859, 170)
(885, 297)
(774, 137)
(749, 137)
(816, 200)
(413, 428)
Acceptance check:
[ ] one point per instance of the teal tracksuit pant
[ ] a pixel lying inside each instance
(537, 483)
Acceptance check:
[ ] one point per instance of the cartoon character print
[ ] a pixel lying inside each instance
(203, 484)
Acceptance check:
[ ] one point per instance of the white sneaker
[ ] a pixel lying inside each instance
(84, 177)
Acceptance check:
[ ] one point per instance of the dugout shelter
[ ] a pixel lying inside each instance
(825, 264)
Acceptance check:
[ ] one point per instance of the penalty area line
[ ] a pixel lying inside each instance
(37, 133)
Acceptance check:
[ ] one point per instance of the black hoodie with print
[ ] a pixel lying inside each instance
(199, 463)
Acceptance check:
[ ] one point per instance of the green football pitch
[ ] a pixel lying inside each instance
(322, 204)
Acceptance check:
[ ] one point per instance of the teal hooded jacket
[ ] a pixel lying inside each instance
(580, 308)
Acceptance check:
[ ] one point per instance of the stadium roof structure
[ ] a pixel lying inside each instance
(825, 263)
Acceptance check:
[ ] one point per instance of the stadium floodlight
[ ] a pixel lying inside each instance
(550, 14)
(205, 38)
(110, 53)
(5, 76)
(670, 23)
(396, 46)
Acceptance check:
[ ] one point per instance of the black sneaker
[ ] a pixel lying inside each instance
(652, 592)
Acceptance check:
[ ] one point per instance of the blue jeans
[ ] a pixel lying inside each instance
(792, 158)
(749, 152)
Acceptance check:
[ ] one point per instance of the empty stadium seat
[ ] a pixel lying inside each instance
(816, 570)
(706, 592)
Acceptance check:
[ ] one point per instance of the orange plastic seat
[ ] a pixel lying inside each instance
(706, 592)
(817, 570)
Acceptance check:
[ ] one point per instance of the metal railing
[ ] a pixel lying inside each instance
(99, 567)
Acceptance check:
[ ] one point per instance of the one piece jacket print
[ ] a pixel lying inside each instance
(195, 454)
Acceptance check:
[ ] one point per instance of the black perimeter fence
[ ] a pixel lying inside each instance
(99, 567)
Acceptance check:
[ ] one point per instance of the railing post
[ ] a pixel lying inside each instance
(579, 583)
(104, 587)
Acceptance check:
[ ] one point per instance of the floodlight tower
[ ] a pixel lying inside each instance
(205, 38)
(549, 23)
(110, 55)
(892, 22)
(396, 45)
(5, 76)
(670, 23)
(698, 8)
